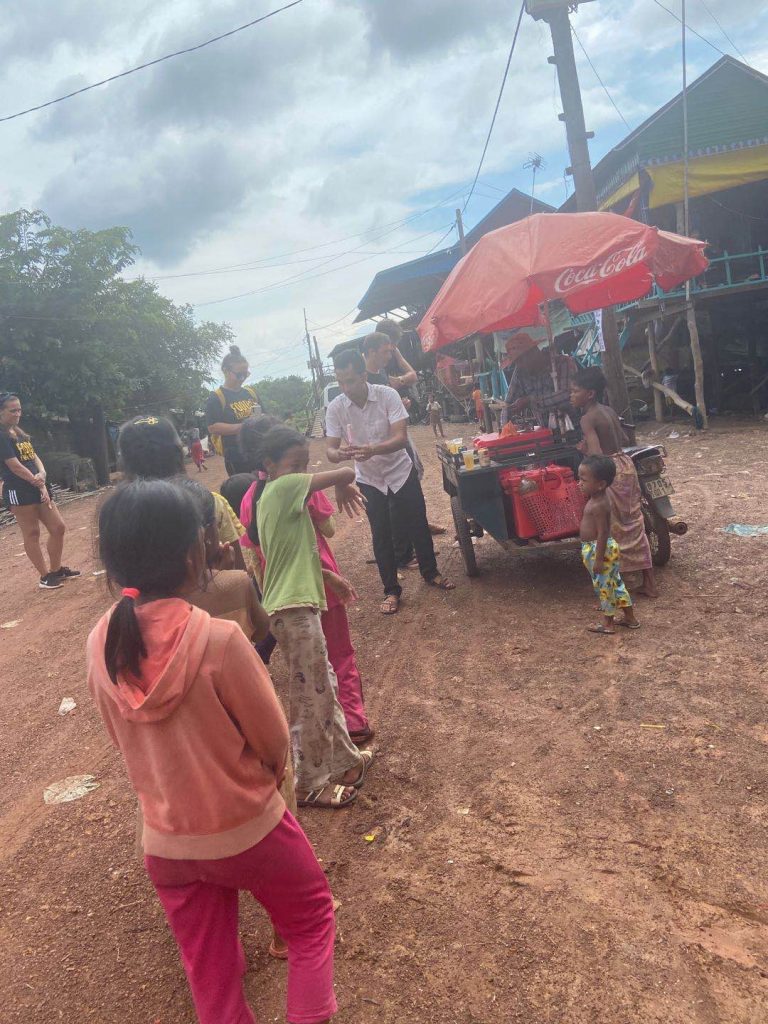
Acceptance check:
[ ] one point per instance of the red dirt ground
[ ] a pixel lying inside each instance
(540, 854)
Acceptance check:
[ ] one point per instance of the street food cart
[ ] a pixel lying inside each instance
(523, 491)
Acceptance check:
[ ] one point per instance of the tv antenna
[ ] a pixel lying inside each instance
(534, 163)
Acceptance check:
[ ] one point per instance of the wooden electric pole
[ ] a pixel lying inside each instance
(555, 13)
(319, 364)
(311, 363)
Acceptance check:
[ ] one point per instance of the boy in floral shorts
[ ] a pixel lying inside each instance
(599, 551)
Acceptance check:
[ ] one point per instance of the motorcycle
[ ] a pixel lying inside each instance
(656, 487)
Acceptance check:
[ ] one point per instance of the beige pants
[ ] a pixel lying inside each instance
(322, 749)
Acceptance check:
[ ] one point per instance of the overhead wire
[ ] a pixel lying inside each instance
(597, 76)
(390, 227)
(498, 104)
(714, 18)
(152, 63)
(305, 276)
(690, 28)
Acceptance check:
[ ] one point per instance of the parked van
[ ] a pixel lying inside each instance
(330, 391)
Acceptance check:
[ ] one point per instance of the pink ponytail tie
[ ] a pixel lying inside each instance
(131, 592)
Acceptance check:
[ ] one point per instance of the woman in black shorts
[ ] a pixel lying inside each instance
(26, 495)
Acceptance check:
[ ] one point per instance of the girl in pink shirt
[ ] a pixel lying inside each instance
(192, 710)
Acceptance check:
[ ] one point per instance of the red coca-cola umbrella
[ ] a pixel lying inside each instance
(587, 260)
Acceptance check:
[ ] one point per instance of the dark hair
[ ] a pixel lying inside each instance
(602, 467)
(278, 440)
(592, 379)
(251, 435)
(150, 448)
(5, 398)
(202, 497)
(146, 531)
(373, 342)
(393, 331)
(232, 358)
(350, 357)
(234, 490)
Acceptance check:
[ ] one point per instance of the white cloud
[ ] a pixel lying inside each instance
(333, 119)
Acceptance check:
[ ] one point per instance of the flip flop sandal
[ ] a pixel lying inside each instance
(602, 630)
(445, 584)
(338, 799)
(390, 605)
(361, 737)
(629, 625)
(368, 757)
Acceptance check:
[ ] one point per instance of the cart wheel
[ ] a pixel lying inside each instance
(464, 537)
(658, 536)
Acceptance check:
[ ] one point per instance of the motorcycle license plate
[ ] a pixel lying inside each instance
(659, 488)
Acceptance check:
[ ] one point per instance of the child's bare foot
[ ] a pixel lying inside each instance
(648, 587)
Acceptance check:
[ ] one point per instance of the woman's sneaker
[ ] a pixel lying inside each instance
(65, 573)
(51, 581)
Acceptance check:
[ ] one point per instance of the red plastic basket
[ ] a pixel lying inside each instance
(557, 513)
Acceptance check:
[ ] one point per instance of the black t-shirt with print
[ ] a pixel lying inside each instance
(15, 448)
(238, 406)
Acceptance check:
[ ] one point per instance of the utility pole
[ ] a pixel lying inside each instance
(311, 363)
(319, 364)
(555, 13)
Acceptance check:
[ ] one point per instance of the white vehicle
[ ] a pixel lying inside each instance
(330, 391)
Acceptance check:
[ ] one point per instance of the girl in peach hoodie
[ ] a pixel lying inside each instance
(192, 710)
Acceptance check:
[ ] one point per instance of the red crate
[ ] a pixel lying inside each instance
(550, 512)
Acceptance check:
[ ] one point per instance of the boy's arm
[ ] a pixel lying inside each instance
(591, 442)
(603, 523)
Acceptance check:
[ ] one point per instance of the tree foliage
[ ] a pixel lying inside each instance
(74, 335)
(285, 397)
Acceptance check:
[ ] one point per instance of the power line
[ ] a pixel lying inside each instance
(301, 277)
(151, 63)
(690, 28)
(391, 226)
(597, 76)
(712, 16)
(498, 103)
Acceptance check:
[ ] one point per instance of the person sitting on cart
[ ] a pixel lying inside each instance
(604, 435)
(532, 387)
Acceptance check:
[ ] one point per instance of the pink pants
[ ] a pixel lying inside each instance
(341, 655)
(200, 899)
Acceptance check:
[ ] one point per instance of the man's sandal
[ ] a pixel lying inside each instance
(390, 605)
(602, 630)
(339, 798)
(441, 583)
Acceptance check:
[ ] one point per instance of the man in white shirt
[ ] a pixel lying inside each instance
(371, 421)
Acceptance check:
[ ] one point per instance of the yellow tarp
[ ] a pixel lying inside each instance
(630, 186)
(708, 174)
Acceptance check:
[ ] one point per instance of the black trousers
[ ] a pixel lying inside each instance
(399, 514)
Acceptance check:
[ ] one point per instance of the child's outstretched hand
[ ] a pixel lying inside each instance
(350, 500)
(342, 588)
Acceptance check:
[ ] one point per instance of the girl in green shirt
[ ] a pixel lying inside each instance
(328, 766)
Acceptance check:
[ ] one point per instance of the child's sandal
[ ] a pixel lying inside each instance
(341, 796)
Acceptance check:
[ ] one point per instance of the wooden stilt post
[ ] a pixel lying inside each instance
(658, 401)
(693, 330)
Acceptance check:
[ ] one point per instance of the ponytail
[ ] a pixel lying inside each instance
(147, 531)
(232, 358)
(125, 645)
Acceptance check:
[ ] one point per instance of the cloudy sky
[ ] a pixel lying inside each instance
(282, 167)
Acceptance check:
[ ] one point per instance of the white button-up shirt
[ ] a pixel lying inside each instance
(370, 425)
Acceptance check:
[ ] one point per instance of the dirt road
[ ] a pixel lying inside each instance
(569, 829)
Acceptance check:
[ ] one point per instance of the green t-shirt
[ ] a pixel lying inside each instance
(292, 577)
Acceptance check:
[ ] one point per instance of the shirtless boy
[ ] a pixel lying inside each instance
(599, 551)
(604, 435)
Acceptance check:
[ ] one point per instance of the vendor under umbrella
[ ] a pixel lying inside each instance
(532, 386)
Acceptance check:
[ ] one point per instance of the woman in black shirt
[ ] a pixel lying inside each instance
(26, 495)
(230, 405)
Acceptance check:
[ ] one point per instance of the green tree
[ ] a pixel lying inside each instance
(76, 339)
(285, 397)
